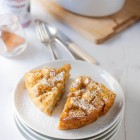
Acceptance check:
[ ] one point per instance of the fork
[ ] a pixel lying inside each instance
(40, 31)
(47, 40)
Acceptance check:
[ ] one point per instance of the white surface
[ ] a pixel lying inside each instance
(120, 56)
(47, 125)
(92, 7)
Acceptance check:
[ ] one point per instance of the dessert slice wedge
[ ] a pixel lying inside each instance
(46, 86)
(87, 101)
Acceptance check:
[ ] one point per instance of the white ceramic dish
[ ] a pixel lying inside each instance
(23, 132)
(43, 137)
(95, 8)
(38, 121)
(30, 135)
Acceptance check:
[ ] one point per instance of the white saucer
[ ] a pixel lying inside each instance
(39, 122)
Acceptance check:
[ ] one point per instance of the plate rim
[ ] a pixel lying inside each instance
(22, 132)
(116, 124)
(68, 61)
(108, 135)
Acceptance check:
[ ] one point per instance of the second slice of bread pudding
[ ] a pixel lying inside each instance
(46, 86)
(87, 101)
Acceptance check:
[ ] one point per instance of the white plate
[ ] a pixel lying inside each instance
(32, 136)
(38, 121)
(23, 132)
(96, 8)
(43, 137)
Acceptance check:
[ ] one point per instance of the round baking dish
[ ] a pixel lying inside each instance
(96, 8)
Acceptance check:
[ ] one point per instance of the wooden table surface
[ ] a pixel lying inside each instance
(120, 56)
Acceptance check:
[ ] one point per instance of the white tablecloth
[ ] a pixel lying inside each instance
(120, 56)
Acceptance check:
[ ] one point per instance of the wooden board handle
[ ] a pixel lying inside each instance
(82, 53)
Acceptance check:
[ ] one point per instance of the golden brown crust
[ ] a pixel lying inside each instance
(87, 101)
(46, 86)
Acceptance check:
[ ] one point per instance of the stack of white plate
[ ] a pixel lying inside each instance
(35, 125)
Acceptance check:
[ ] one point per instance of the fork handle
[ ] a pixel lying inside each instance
(82, 53)
(52, 52)
(65, 47)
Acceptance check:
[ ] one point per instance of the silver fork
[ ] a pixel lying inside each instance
(42, 35)
(47, 38)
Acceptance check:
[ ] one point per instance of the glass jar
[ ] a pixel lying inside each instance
(20, 8)
(12, 36)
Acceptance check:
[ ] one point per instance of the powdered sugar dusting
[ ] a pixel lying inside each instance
(45, 84)
(76, 83)
(81, 103)
(59, 76)
(44, 81)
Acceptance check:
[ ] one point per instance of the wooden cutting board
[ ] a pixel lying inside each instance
(96, 29)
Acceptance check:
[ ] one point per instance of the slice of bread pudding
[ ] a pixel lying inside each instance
(46, 86)
(87, 101)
